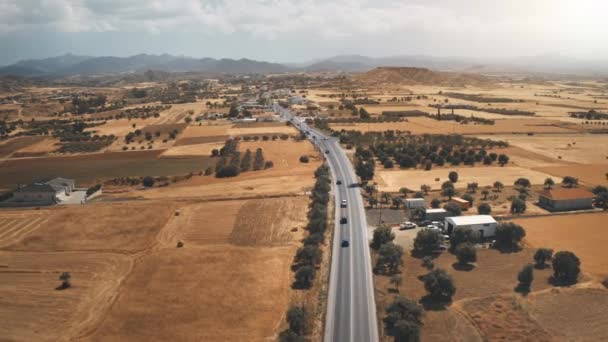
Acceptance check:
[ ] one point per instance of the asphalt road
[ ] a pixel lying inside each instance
(351, 309)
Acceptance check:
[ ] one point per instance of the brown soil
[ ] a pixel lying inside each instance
(407, 75)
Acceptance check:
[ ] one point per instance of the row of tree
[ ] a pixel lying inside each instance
(308, 257)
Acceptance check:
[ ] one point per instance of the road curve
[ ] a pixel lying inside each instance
(351, 308)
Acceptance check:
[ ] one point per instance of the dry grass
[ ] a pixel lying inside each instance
(191, 150)
(125, 227)
(213, 293)
(583, 234)
(590, 174)
(393, 180)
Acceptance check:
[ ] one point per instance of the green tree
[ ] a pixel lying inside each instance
(396, 281)
(435, 203)
(466, 253)
(453, 176)
(439, 285)
(427, 262)
(427, 241)
(462, 235)
(296, 318)
(503, 159)
(382, 235)
(498, 186)
(304, 277)
(570, 182)
(246, 161)
(525, 277)
(258, 162)
(425, 188)
(148, 182)
(448, 192)
(518, 206)
(389, 259)
(549, 183)
(453, 209)
(566, 268)
(403, 319)
(484, 209)
(485, 193)
(65, 278)
(509, 235)
(541, 256)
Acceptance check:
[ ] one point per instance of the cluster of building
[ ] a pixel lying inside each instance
(55, 191)
(554, 200)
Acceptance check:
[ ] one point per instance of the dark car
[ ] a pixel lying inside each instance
(344, 243)
(338, 182)
(327, 151)
(343, 220)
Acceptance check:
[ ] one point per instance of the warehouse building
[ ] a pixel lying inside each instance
(484, 224)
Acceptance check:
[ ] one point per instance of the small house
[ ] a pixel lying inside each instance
(44, 192)
(435, 214)
(462, 203)
(565, 199)
(484, 224)
(412, 203)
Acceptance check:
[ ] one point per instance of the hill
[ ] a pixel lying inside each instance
(70, 65)
(409, 75)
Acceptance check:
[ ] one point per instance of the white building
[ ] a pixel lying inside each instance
(435, 214)
(484, 224)
(412, 203)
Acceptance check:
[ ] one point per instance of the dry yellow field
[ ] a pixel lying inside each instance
(583, 234)
(393, 180)
(191, 150)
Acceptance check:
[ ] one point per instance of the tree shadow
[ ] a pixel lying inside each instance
(435, 304)
(463, 267)
(523, 289)
(542, 267)
(507, 249)
(63, 286)
(562, 282)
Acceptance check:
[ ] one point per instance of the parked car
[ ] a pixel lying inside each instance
(407, 225)
(343, 220)
(344, 243)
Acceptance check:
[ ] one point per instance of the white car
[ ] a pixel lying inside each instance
(343, 204)
(407, 225)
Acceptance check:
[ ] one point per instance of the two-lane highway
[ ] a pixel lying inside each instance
(351, 309)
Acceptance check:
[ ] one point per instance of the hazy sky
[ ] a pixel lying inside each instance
(300, 30)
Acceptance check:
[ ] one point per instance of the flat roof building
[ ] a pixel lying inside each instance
(484, 224)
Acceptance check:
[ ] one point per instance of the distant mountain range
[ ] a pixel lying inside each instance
(70, 65)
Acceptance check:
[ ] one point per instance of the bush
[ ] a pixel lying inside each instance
(439, 285)
(304, 159)
(566, 268)
(227, 171)
(465, 252)
(148, 182)
(541, 256)
(427, 241)
(93, 189)
(484, 209)
(381, 236)
(435, 203)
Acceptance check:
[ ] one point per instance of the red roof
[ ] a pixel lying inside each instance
(560, 194)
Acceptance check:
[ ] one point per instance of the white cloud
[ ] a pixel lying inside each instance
(474, 25)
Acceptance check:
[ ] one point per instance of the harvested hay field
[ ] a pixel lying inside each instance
(578, 148)
(284, 154)
(10, 146)
(590, 174)
(269, 222)
(572, 314)
(87, 169)
(191, 150)
(217, 139)
(218, 293)
(503, 318)
(14, 225)
(206, 130)
(393, 180)
(202, 224)
(32, 310)
(583, 234)
(120, 127)
(124, 227)
(38, 149)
